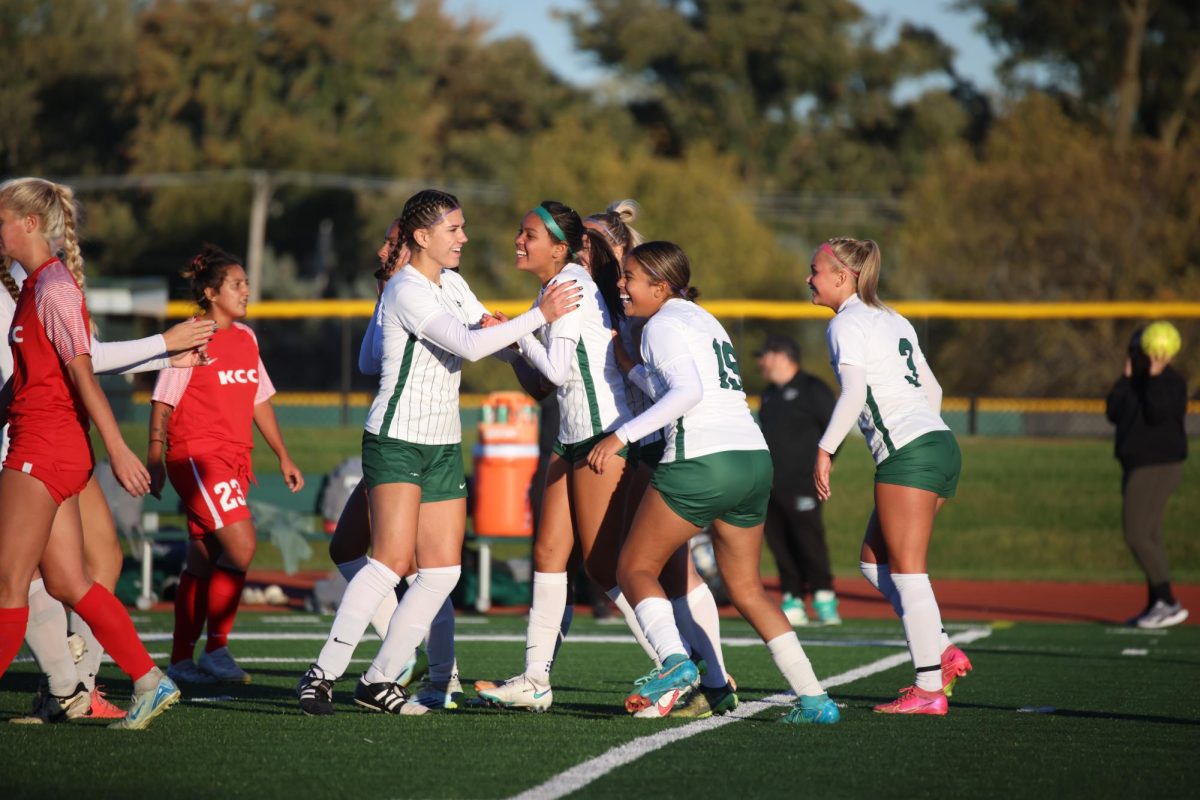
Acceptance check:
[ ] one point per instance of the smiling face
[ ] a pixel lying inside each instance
(537, 250)
(640, 294)
(228, 301)
(442, 242)
(829, 286)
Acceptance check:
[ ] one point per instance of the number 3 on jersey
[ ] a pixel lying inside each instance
(230, 494)
(726, 359)
(906, 349)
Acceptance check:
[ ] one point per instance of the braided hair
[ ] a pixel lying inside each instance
(10, 283)
(206, 270)
(423, 210)
(55, 205)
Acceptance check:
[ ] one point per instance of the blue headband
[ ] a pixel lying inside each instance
(552, 226)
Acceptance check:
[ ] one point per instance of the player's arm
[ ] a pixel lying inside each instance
(268, 426)
(156, 447)
(6, 396)
(126, 467)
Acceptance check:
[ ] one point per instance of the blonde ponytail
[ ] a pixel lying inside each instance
(10, 283)
(862, 258)
(70, 235)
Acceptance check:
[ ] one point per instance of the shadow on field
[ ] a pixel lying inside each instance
(868, 701)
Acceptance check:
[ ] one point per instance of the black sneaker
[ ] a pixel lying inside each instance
(386, 697)
(316, 693)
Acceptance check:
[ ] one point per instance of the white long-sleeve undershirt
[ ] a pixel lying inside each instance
(849, 405)
(684, 392)
(135, 355)
(448, 333)
(555, 362)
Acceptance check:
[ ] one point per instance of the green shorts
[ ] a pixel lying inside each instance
(733, 487)
(650, 453)
(436, 468)
(574, 453)
(930, 462)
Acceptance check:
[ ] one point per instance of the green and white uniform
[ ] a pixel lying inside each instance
(575, 353)
(716, 464)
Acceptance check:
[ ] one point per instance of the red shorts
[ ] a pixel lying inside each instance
(61, 483)
(213, 491)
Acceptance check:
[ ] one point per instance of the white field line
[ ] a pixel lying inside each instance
(593, 769)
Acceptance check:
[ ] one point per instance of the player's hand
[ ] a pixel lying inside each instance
(158, 477)
(603, 451)
(561, 298)
(192, 358)
(129, 471)
(292, 475)
(189, 334)
(821, 472)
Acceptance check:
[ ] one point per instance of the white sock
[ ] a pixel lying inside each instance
(383, 614)
(880, 576)
(371, 585)
(439, 644)
(412, 620)
(93, 653)
(922, 626)
(789, 656)
(697, 618)
(657, 619)
(547, 615)
(635, 627)
(46, 636)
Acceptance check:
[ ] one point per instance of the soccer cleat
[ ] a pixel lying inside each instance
(915, 700)
(434, 697)
(520, 692)
(101, 708)
(221, 666)
(50, 709)
(77, 645)
(386, 696)
(703, 702)
(1162, 615)
(653, 673)
(315, 692)
(415, 669)
(148, 705)
(678, 674)
(186, 672)
(793, 609)
(825, 605)
(955, 665)
(815, 709)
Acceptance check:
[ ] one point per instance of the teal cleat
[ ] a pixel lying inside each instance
(149, 705)
(825, 605)
(677, 676)
(813, 710)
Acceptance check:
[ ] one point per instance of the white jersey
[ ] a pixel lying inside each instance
(637, 400)
(592, 398)
(721, 421)
(418, 384)
(884, 345)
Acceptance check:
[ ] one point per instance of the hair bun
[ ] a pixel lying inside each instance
(627, 210)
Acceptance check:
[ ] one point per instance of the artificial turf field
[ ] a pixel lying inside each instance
(1051, 710)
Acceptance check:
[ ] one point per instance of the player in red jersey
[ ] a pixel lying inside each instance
(203, 416)
(48, 403)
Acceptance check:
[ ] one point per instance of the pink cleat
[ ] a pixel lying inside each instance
(101, 708)
(955, 665)
(915, 700)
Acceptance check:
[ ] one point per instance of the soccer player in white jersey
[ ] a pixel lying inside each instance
(412, 450)
(715, 470)
(889, 388)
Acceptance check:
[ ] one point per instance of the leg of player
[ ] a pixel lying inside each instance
(234, 546)
(349, 546)
(191, 611)
(60, 695)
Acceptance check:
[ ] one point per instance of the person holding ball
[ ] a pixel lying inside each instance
(1148, 405)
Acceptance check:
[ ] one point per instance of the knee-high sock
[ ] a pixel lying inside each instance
(387, 607)
(657, 620)
(698, 621)
(439, 644)
(792, 661)
(410, 624)
(635, 627)
(880, 576)
(191, 608)
(93, 653)
(46, 635)
(12, 633)
(546, 614)
(114, 630)
(224, 596)
(922, 626)
(370, 587)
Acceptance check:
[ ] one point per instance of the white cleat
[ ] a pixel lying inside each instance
(221, 666)
(520, 692)
(434, 697)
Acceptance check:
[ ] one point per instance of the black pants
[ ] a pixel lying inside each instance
(796, 536)
(1145, 491)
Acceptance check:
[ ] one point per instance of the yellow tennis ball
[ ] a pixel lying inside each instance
(1161, 340)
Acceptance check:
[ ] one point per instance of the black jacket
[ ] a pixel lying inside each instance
(793, 417)
(1149, 414)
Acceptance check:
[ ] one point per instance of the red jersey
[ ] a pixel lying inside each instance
(214, 405)
(50, 328)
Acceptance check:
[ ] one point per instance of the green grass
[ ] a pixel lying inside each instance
(1119, 725)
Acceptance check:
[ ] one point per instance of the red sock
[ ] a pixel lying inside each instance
(191, 606)
(12, 634)
(113, 628)
(224, 595)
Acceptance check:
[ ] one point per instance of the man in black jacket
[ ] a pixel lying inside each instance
(795, 410)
